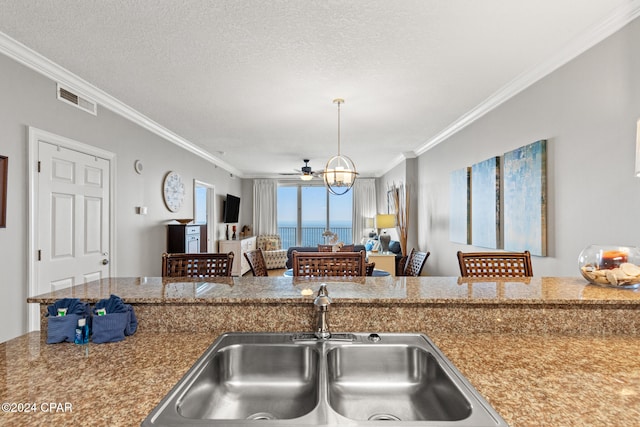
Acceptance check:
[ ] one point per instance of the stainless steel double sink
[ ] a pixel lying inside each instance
(284, 379)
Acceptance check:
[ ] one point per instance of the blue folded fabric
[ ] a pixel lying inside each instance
(119, 321)
(113, 304)
(109, 327)
(63, 328)
(73, 306)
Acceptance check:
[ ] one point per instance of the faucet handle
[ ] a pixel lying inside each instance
(322, 299)
(322, 291)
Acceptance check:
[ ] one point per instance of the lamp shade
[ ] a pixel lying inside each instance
(339, 174)
(368, 222)
(385, 221)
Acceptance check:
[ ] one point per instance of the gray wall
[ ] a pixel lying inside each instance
(28, 99)
(405, 173)
(587, 110)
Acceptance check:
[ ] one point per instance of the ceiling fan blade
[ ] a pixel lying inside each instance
(303, 171)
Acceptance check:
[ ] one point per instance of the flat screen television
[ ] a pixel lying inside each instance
(231, 209)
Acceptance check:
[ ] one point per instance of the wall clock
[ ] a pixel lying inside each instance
(173, 191)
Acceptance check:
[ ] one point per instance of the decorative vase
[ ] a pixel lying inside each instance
(384, 242)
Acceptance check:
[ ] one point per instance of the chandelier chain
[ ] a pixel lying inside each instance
(340, 172)
(339, 127)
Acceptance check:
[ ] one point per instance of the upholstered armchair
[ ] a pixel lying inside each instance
(274, 255)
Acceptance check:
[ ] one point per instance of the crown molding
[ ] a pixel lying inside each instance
(620, 17)
(37, 62)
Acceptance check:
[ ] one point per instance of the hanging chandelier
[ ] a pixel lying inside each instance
(340, 172)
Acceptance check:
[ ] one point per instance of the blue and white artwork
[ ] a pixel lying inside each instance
(459, 206)
(525, 199)
(485, 203)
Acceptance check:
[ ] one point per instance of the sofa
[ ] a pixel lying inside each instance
(394, 247)
(274, 255)
(289, 264)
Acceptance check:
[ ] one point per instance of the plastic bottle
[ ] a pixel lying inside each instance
(82, 332)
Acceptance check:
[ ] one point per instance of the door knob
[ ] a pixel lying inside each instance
(105, 261)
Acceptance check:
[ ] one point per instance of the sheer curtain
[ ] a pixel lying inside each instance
(364, 206)
(265, 206)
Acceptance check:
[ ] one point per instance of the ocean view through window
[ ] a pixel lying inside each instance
(305, 212)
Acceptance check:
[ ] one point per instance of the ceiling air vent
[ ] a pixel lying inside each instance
(79, 101)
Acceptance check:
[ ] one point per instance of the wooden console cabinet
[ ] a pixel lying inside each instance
(183, 239)
(238, 247)
(384, 261)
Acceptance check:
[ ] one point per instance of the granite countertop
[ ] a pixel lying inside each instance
(397, 290)
(501, 334)
(531, 380)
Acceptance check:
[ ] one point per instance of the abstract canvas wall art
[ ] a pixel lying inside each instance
(485, 203)
(525, 199)
(460, 206)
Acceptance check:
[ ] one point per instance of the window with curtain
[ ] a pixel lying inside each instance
(306, 211)
(264, 206)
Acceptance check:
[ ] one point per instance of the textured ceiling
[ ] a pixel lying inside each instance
(252, 82)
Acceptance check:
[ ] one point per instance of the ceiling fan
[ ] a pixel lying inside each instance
(305, 173)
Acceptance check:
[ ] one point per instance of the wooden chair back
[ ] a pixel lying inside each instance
(197, 265)
(329, 248)
(258, 266)
(369, 267)
(415, 263)
(320, 264)
(495, 264)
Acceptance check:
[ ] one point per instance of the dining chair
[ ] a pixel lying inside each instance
(415, 263)
(337, 264)
(346, 248)
(325, 248)
(256, 261)
(369, 267)
(197, 265)
(495, 264)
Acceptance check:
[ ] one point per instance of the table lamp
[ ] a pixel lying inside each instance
(385, 221)
(369, 223)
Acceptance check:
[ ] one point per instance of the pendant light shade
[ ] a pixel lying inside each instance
(340, 172)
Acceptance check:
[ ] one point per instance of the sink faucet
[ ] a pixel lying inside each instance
(322, 301)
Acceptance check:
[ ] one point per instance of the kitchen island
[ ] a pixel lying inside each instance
(542, 351)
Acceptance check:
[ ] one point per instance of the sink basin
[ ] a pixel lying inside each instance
(357, 379)
(392, 382)
(254, 381)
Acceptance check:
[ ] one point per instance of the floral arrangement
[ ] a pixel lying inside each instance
(330, 237)
(400, 195)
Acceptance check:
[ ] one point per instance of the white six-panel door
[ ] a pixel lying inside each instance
(71, 214)
(73, 200)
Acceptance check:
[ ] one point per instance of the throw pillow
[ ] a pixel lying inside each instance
(271, 245)
(394, 246)
(372, 245)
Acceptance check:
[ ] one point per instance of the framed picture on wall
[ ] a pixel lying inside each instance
(391, 201)
(485, 204)
(460, 206)
(4, 165)
(525, 199)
